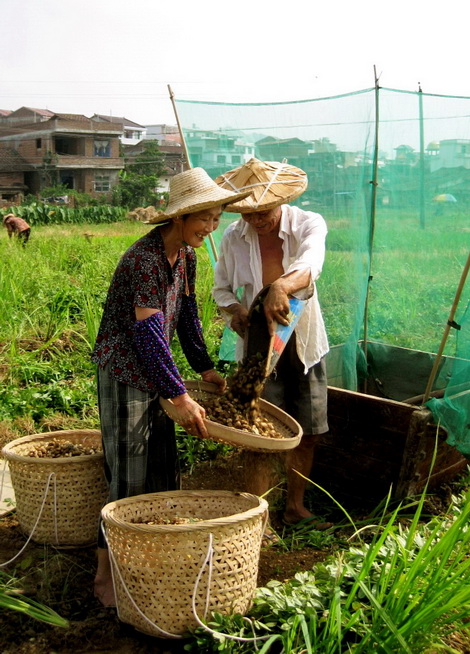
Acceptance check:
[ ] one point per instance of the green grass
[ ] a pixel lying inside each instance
(52, 293)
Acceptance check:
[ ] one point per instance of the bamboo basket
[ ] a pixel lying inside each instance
(167, 577)
(285, 425)
(70, 490)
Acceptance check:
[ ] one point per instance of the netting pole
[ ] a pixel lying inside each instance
(450, 323)
(372, 217)
(188, 161)
(422, 217)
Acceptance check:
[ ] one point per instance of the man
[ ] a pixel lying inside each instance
(282, 246)
(18, 227)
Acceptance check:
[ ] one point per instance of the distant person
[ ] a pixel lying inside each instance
(17, 226)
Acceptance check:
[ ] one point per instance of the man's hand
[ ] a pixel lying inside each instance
(213, 377)
(276, 306)
(239, 322)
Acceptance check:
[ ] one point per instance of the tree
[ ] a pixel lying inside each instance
(149, 162)
(139, 180)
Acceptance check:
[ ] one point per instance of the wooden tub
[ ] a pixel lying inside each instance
(374, 443)
(377, 440)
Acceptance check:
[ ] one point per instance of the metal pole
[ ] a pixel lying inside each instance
(422, 217)
(372, 215)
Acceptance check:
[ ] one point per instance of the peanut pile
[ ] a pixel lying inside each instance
(55, 448)
(160, 520)
(239, 406)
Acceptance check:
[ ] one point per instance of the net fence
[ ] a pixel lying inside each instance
(389, 170)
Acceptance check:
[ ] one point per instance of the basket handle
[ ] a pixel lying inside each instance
(52, 476)
(114, 568)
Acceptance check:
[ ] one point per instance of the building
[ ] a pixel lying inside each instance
(173, 158)
(13, 171)
(132, 132)
(452, 153)
(217, 151)
(163, 134)
(69, 149)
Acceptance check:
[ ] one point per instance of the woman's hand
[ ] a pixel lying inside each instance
(213, 377)
(190, 415)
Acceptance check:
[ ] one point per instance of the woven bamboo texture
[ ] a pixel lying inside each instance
(285, 425)
(160, 563)
(70, 516)
(271, 183)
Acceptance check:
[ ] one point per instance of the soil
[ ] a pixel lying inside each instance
(63, 580)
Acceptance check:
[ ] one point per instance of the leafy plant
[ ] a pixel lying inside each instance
(402, 592)
(12, 599)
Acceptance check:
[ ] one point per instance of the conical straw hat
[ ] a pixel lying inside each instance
(193, 190)
(271, 183)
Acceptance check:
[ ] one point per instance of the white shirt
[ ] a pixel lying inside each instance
(303, 236)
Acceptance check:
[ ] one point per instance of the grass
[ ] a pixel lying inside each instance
(52, 293)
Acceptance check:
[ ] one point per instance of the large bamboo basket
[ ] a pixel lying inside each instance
(156, 567)
(72, 489)
(285, 425)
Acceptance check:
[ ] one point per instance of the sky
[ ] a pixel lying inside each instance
(118, 57)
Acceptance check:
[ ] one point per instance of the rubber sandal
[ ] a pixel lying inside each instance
(269, 538)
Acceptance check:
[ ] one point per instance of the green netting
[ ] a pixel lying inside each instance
(390, 172)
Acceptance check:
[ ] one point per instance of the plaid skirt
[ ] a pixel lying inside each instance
(139, 444)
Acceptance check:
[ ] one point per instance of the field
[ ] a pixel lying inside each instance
(51, 296)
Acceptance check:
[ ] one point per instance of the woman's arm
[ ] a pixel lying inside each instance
(149, 337)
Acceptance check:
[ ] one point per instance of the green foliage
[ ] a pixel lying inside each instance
(12, 600)
(401, 592)
(136, 190)
(138, 182)
(39, 213)
(150, 162)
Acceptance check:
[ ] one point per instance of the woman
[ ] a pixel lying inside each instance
(152, 295)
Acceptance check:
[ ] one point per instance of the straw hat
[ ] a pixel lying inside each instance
(7, 216)
(272, 183)
(193, 190)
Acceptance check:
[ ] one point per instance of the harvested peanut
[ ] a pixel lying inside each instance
(55, 449)
(239, 406)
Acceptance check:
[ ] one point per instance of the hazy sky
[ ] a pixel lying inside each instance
(117, 57)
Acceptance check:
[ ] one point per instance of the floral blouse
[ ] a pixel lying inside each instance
(144, 278)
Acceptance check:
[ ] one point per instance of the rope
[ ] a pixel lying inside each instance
(52, 476)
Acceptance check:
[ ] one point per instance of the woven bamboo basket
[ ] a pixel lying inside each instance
(76, 489)
(285, 425)
(156, 566)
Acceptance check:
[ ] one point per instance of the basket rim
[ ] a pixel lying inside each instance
(237, 437)
(110, 519)
(10, 455)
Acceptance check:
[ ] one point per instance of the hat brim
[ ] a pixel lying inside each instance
(223, 198)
